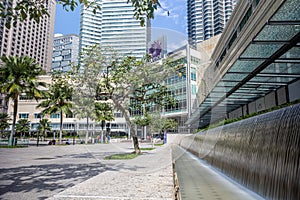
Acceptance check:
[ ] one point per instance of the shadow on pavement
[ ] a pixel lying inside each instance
(52, 178)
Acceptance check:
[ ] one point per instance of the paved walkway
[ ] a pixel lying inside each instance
(80, 172)
(198, 181)
(148, 176)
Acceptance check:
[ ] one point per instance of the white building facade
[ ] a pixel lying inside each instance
(65, 52)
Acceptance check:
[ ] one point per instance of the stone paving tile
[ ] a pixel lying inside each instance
(148, 177)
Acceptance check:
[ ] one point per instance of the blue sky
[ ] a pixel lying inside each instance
(68, 22)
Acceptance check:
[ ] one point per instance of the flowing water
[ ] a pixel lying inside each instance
(262, 152)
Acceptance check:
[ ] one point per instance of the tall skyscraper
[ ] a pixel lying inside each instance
(65, 52)
(207, 18)
(114, 26)
(28, 37)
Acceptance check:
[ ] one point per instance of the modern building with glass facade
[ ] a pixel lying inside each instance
(65, 52)
(207, 18)
(113, 26)
(256, 64)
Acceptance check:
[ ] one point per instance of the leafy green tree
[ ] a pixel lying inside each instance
(43, 126)
(35, 10)
(20, 75)
(88, 81)
(150, 95)
(127, 81)
(22, 127)
(59, 98)
(4, 124)
(104, 112)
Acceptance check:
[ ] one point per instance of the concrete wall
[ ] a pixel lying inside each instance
(294, 91)
(271, 100)
(281, 96)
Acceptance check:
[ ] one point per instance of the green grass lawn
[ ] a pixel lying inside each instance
(158, 145)
(146, 149)
(123, 156)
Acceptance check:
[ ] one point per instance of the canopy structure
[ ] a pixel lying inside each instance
(268, 58)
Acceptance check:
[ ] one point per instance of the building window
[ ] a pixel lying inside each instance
(37, 116)
(193, 74)
(54, 116)
(194, 90)
(118, 115)
(23, 115)
(70, 116)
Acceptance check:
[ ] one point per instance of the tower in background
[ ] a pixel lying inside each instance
(28, 37)
(65, 52)
(114, 26)
(207, 18)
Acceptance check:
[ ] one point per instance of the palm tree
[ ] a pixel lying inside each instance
(4, 118)
(43, 126)
(19, 75)
(104, 112)
(23, 126)
(59, 99)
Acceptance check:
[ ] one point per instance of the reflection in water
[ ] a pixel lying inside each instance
(262, 152)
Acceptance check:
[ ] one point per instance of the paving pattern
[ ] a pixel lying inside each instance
(80, 172)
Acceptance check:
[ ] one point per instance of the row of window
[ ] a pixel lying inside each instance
(39, 116)
(238, 30)
(56, 116)
(70, 126)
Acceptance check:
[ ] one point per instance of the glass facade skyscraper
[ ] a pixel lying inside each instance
(207, 18)
(114, 26)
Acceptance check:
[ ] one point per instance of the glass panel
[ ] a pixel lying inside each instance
(281, 79)
(292, 53)
(277, 32)
(289, 11)
(234, 76)
(268, 87)
(214, 95)
(260, 50)
(248, 91)
(226, 84)
(245, 66)
(221, 89)
(289, 68)
(259, 79)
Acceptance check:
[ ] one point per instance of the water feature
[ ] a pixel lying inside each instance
(262, 152)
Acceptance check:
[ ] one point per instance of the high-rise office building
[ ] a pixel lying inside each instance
(65, 52)
(114, 26)
(29, 37)
(207, 18)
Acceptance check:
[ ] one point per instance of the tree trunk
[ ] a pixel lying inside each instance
(136, 144)
(127, 118)
(38, 138)
(61, 126)
(12, 133)
(87, 130)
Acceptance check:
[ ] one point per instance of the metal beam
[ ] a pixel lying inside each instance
(266, 63)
